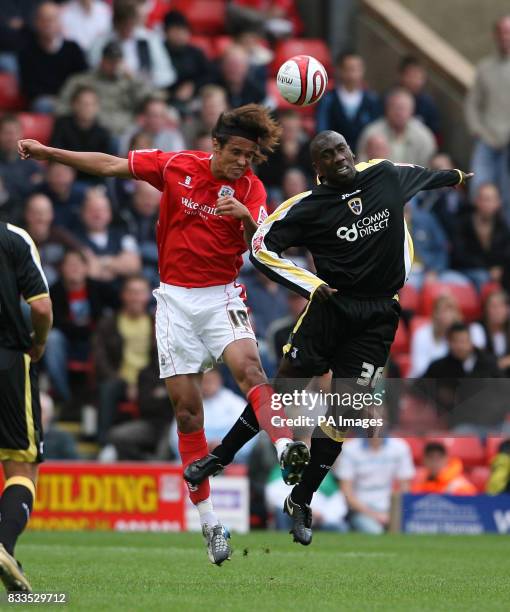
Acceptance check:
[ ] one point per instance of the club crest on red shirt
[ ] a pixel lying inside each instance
(226, 191)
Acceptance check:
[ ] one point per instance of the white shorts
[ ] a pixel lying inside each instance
(194, 326)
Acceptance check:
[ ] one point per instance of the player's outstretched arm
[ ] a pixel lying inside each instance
(99, 164)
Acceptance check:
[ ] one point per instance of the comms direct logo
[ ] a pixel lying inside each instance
(365, 226)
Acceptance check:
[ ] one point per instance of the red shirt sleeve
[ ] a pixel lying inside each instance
(255, 200)
(149, 165)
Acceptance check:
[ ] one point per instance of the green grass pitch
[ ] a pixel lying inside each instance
(149, 572)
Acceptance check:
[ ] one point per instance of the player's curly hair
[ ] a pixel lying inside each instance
(254, 121)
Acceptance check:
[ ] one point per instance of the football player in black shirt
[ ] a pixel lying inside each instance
(353, 224)
(21, 445)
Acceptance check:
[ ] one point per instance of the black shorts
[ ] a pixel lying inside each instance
(20, 409)
(352, 337)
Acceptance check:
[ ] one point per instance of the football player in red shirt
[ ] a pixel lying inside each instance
(209, 211)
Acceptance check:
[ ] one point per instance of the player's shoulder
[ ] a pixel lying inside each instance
(18, 237)
(187, 159)
(375, 164)
(292, 206)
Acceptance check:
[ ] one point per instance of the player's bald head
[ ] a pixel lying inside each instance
(332, 158)
(324, 140)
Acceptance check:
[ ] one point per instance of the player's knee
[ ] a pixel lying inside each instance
(251, 375)
(188, 417)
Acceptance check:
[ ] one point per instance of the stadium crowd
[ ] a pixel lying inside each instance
(93, 75)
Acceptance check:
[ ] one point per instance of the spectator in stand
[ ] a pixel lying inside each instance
(280, 18)
(123, 346)
(78, 303)
(499, 480)
(236, 79)
(14, 19)
(368, 469)
(350, 107)
(81, 130)
(492, 333)
(292, 153)
(143, 50)
(18, 181)
(58, 444)
(443, 474)
(144, 438)
(111, 253)
(47, 60)
(413, 77)
(51, 241)
(65, 193)
(429, 341)
(481, 239)
(410, 141)
(221, 408)
(455, 383)
(377, 147)
(463, 360)
(445, 203)
(119, 93)
(192, 67)
(431, 256)
(84, 20)
(294, 181)
(160, 122)
(259, 53)
(488, 117)
(278, 332)
(203, 142)
(141, 219)
(213, 102)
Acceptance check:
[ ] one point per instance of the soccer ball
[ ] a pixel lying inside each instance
(302, 80)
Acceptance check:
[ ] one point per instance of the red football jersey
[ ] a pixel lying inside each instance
(196, 248)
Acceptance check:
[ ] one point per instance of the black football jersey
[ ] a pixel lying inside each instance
(356, 234)
(21, 275)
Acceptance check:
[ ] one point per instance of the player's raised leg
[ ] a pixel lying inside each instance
(243, 360)
(184, 392)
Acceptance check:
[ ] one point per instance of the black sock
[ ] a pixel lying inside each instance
(15, 509)
(241, 432)
(323, 453)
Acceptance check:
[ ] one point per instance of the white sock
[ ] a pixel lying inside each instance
(207, 514)
(280, 446)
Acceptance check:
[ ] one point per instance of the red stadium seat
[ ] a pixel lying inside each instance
(492, 446)
(302, 46)
(468, 449)
(10, 96)
(409, 298)
(206, 17)
(401, 343)
(221, 44)
(36, 125)
(206, 44)
(465, 295)
(418, 415)
(479, 476)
